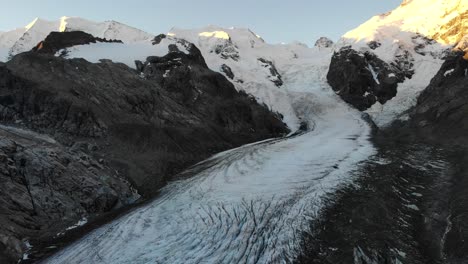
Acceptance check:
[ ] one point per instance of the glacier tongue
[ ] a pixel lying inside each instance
(249, 204)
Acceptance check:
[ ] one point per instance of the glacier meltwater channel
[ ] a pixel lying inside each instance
(246, 205)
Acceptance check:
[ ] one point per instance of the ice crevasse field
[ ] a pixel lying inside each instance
(247, 204)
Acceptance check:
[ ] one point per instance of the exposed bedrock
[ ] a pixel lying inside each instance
(57, 41)
(442, 108)
(362, 79)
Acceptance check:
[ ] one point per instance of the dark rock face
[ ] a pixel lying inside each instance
(183, 118)
(56, 41)
(404, 207)
(275, 77)
(362, 79)
(421, 42)
(227, 50)
(158, 39)
(187, 78)
(443, 107)
(47, 187)
(109, 126)
(228, 71)
(324, 42)
(440, 119)
(374, 44)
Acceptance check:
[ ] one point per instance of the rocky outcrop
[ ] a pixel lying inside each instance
(324, 42)
(158, 39)
(374, 44)
(226, 49)
(109, 127)
(57, 41)
(455, 29)
(275, 76)
(47, 187)
(228, 71)
(362, 79)
(442, 108)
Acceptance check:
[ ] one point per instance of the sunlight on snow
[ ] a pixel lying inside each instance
(216, 34)
(30, 25)
(414, 16)
(63, 24)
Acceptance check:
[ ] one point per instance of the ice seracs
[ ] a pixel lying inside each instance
(259, 68)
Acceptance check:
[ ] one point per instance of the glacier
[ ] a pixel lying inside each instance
(249, 204)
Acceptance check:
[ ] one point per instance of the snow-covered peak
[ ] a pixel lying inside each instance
(441, 20)
(108, 29)
(25, 38)
(242, 37)
(324, 42)
(269, 72)
(30, 25)
(414, 37)
(35, 32)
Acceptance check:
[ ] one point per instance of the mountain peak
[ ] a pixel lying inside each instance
(30, 25)
(437, 19)
(324, 42)
(25, 38)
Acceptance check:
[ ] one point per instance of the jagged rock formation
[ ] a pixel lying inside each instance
(275, 77)
(56, 41)
(362, 79)
(47, 187)
(254, 66)
(324, 42)
(108, 125)
(227, 71)
(406, 38)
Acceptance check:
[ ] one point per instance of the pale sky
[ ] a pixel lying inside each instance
(275, 20)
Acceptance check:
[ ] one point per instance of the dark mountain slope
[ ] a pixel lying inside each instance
(109, 124)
